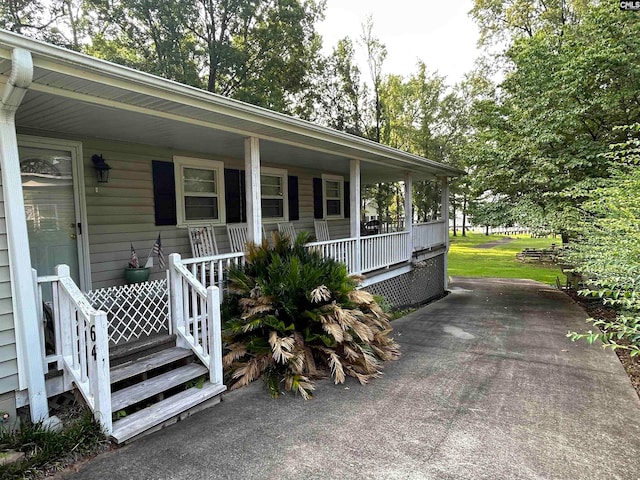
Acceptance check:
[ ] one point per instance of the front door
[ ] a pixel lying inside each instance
(50, 172)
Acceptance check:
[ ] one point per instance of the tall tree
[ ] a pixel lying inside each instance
(257, 51)
(376, 54)
(342, 96)
(61, 22)
(573, 73)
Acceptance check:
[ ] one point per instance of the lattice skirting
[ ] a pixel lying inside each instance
(423, 283)
(133, 311)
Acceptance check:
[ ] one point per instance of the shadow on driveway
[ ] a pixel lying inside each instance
(488, 387)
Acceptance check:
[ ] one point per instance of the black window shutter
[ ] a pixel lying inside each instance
(347, 200)
(164, 192)
(294, 204)
(318, 211)
(234, 195)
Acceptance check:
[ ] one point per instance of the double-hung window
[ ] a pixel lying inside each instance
(333, 194)
(200, 186)
(273, 188)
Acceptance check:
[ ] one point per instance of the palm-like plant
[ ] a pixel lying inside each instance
(295, 316)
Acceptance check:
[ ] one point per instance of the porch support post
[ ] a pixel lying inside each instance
(25, 310)
(354, 193)
(408, 208)
(444, 183)
(252, 183)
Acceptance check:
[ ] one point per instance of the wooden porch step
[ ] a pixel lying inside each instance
(156, 385)
(165, 412)
(132, 350)
(148, 363)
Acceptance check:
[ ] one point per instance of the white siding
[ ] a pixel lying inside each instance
(8, 355)
(121, 212)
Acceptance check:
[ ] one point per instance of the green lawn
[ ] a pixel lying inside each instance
(467, 261)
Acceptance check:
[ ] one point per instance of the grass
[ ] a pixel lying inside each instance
(47, 451)
(466, 260)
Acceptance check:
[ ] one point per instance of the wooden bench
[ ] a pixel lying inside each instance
(545, 255)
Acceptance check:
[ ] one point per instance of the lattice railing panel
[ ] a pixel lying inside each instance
(133, 311)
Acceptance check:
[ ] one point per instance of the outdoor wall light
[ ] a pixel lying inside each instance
(102, 169)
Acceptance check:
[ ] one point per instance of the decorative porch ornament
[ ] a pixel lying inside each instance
(102, 169)
(156, 250)
(135, 273)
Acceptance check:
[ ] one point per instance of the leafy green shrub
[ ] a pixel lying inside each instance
(295, 316)
(607, 252)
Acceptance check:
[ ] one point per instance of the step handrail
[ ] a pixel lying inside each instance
(195, 316)
(84, 347)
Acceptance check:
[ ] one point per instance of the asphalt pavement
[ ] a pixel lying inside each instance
(488, 387)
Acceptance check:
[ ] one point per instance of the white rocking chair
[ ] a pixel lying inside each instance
(287, 230)
(237, 236)
(203, 241)
(238, 233)
(322, 230)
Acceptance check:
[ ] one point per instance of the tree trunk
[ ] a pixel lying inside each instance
(453, 211)
(464, 215)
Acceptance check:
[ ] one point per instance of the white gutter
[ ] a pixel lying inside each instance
(25, 313)
(58, 59)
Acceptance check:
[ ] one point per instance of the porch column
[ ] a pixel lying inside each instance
(25, 314)
(252, 183)
(355, 201)
(408, 208)
(444, 182)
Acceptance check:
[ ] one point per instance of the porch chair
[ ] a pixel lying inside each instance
(237, 236)
(287, 230)
(203, 241)
(322, 230)
(238, 233)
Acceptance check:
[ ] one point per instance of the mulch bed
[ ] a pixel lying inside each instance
(597, 310)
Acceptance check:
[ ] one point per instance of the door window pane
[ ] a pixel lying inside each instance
(50, 208)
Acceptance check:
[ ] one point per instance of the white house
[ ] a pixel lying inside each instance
(178, 157)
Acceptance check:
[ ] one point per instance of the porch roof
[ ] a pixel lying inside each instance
(75, 94)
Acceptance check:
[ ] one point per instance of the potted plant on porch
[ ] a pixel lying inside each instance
(134, 273)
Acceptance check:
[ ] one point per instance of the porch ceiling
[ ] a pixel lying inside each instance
(73, 94)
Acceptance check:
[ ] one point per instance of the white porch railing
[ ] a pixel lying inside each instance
(195, 316)
(343, 250)
(428, 235)
(50, 341)
(212, 270)
(380, 251)
(84, 346)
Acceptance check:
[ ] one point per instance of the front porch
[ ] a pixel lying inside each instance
(178, 157)
(83, 330)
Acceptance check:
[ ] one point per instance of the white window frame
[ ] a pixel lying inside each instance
(179, 163)
(340, 180)
(284, 175)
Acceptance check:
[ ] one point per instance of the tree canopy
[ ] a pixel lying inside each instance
(572, 70)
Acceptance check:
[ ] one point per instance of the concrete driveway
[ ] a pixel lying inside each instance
(487, 387)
